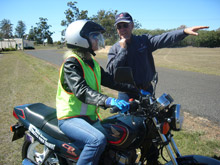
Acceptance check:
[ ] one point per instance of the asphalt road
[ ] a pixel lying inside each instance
(198, 94)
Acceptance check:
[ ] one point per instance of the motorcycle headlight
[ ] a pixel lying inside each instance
(177, 117)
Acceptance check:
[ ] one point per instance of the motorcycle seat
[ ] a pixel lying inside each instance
(44, 118)
(39, 114)
(52, 129)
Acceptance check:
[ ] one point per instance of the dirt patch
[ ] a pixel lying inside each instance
(209, 130)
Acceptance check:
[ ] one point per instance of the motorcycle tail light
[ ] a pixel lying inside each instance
(165, 127)
(12, 128)
(14, 114)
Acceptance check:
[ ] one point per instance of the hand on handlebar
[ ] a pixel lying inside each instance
(121, 104)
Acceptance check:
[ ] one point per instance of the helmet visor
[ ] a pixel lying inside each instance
(97, 40)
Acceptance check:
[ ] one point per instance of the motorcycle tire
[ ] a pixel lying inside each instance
(35, 152)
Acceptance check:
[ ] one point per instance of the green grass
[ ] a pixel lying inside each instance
(192, 143)
(25, 79)
(203, 60)
(188, 143)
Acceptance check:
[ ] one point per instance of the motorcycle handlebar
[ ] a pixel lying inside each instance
(114, 109)
(133, 107)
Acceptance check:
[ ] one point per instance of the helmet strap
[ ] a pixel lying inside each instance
(92, 52)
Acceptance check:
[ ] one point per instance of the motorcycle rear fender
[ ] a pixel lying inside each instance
(19, 131)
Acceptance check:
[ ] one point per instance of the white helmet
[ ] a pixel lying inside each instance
(78, 33)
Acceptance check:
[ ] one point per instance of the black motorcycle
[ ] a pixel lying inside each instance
(137, 137)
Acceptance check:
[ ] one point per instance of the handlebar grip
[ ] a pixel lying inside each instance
(114, 109)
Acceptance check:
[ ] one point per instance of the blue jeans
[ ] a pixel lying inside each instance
(84, 133)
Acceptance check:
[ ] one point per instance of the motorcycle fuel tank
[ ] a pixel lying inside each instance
(123, 131)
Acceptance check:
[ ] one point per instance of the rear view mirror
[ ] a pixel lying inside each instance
(124, 75)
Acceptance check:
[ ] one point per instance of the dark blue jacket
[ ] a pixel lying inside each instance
(138, 55)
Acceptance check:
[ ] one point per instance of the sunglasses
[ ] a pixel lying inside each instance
(125, 25)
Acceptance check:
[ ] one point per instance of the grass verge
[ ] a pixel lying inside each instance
(25, 79)
(202, 60)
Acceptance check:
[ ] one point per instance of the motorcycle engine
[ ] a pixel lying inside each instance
(116, 157)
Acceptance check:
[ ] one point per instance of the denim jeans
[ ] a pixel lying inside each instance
(85, 134)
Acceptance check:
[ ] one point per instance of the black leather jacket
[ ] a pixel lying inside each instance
(75, 83)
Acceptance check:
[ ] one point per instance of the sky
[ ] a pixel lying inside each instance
(151, 14)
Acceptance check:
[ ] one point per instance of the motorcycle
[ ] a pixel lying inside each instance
(136, 137)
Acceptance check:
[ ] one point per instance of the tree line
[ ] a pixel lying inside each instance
(41, 31)
(37, 34)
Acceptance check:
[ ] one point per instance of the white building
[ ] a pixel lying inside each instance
(17, 43)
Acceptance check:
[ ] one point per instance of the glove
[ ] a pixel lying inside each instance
(121, 104)
(145, 93)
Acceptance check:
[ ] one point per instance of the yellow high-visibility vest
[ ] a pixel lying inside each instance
(67, 104)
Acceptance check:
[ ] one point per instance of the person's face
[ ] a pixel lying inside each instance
(124, 30)
(94, 44)
(97, 41)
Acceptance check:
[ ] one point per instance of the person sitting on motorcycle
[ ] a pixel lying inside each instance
(78, 96)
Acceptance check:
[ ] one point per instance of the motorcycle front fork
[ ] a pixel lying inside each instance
(168, 147)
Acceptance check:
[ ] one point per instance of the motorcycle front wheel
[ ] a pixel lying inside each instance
(36, 152)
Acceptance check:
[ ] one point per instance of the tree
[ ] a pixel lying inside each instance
(72, 14)
(207, 39)
(141, 31)
(31, 35)
(42, 32)
(1, 35)
(104, 18)
(137, 25)
(107, 20)
(182, 27)
(6, 28)
(20, 29)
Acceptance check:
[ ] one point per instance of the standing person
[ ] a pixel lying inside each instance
(136, 51)
(78, 96)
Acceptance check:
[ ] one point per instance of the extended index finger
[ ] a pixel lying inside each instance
(200, 27)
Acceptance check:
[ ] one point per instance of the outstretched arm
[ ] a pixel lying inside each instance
(194, 29)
